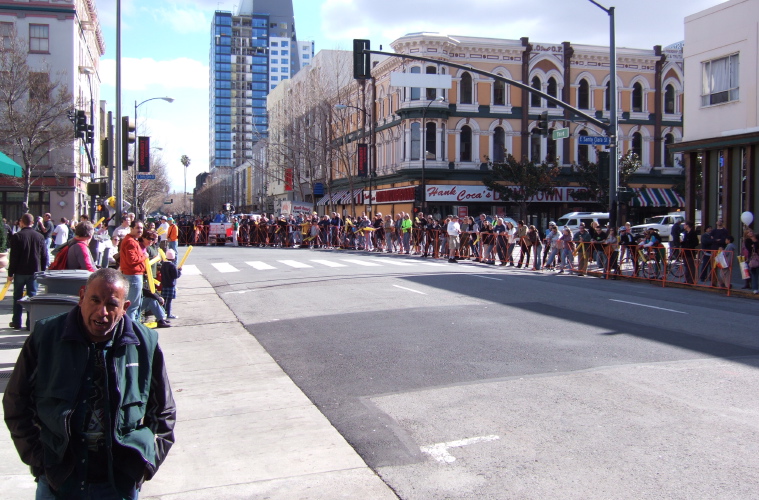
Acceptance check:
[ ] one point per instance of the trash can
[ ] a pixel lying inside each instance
(67, 282)
(47, 304)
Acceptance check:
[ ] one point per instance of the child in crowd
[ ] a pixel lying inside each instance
(724, 275)
(169, 275)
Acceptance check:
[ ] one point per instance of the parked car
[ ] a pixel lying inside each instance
(662, 223)
(573, 220)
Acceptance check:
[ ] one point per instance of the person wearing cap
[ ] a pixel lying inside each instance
(582, 240)
(162, 230)
(554, 244)
(453, 230)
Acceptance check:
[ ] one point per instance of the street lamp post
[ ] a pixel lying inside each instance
(136, 149)
(423, 133)
(613, 120)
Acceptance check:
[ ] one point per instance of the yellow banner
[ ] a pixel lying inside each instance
(160, 231)
(100, 220)
(163, 255)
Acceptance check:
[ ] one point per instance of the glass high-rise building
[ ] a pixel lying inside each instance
(251, 52)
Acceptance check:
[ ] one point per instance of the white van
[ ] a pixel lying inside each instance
(573, 220)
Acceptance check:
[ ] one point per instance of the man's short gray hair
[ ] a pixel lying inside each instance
(110, 276)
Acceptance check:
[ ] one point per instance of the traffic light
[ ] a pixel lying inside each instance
(362, 69)
(104, 152)
(543, 123)
(80, 125)
(128, 137)
(90, 133)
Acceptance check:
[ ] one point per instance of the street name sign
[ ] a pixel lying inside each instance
(560, 133)
(143, 177)
(594, 140)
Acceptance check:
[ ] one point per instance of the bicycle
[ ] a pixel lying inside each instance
(674, 265)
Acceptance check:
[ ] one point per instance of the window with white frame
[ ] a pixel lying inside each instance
(39, 38)
(6, 32)
(719, 81)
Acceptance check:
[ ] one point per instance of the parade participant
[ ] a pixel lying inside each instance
(107, 427)
(28, 255)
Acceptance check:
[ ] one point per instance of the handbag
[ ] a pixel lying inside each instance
(753, 263)
(720, 260)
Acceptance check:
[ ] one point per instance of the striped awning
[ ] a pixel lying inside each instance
(656, 197)
(358, 196)
(324, 200)
(335, 198)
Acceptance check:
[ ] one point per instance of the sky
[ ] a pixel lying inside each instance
(165, 47)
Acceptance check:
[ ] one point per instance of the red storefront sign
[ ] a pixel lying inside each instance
(482, 194)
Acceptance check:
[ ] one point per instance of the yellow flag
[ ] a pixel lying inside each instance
(149, 273)
(184, 258)
(5, 289)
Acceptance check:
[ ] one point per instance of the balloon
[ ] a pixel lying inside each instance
(112, 201)
(747, 218)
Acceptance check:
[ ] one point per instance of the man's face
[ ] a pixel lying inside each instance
(137, 230)
(102, 307)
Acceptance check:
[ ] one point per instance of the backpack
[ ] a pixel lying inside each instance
(62, 257)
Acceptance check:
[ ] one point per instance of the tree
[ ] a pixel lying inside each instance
(519, 181)
(185, 160)
(597, 185)
(34, 111)
(151, 193)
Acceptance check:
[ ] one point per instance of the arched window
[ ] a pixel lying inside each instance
(637, 98)
(416, 91)
(607, 96)
(466, 88)
(552, 90)
(499, 93)
(637, 145)
(669, 157)
(583, 156)
(583, 95)
(551, 153)
(415, 141)
(466, 144)
(535, 146)
(669, 99)
(429, 139)
(499, 144)
(535, 100)
(431, 93)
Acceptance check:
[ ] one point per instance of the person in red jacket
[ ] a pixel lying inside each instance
(132, 266)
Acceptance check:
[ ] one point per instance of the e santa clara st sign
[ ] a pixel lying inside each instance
(481, 194)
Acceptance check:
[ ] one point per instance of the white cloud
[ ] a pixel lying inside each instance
(138, 74)
(182, 19)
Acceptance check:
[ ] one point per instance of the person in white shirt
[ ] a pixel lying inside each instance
(454, 230)
(163, 231)
(61, 232)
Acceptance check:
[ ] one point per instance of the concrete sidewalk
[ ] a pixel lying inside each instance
(244, 429)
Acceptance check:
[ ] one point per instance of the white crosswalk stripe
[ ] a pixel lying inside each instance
(394, 262)
(261, 266)
(294, 263)
(328, 263)
(190, 270)
(362, 262)
(224, 267)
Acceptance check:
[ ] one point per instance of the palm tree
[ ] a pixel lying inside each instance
(185, 160)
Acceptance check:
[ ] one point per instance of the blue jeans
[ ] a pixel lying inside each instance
(92, 491)
(134, 296)
(21, 281)
(152, 305)
(754, 278)
(173, 245)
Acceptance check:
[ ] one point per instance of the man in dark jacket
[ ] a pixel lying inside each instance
(29, 254)
(89, 404)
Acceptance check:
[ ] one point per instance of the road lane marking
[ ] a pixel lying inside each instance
(362, 262)
(190, 270)
(486, 277)
(328, 263)
(645, 305)
(432, 264)
(294, 263)
(224, 267)
(439, 451)
(409, 289)
(241, 291)
(261, 266)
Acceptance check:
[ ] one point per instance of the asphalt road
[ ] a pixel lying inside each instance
(470, 381)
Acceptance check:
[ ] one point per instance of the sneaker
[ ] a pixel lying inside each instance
(13, 325)
(173, 316)
(163, 324)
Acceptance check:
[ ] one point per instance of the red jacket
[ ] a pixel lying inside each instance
(131, 257)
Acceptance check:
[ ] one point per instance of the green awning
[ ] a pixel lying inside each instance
(9, 167)
(656, 197)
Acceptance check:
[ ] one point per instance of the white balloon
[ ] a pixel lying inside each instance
(747, 218)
